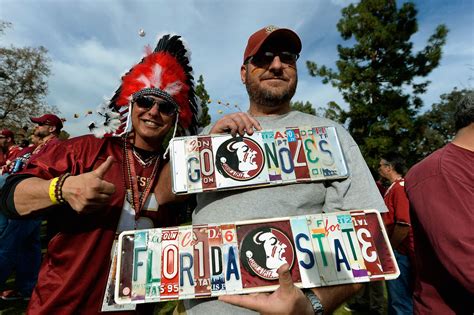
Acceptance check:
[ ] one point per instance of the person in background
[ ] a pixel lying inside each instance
(20, 245)
(440, 189)
(7, 145)
(269, 73)
(99, 187)
(398, 225)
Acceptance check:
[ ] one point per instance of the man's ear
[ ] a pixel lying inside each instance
(52, 129)
(243, 73)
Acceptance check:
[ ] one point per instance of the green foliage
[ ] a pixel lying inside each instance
(23, 84)
(64, 135)
(305, 108)
(332, 111)
(376, 75)
(435, 127)
(203, 96)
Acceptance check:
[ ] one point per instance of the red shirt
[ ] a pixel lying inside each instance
(3, 158)
(74, 272)
(441, 193)
(398, 213)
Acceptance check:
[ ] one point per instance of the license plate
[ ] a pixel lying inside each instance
(197, 261)
(270, 157)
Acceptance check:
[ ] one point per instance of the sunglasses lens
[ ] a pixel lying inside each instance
(287, 57)
(266, 58)
(262, 60)
(145, 102)
(167, 108)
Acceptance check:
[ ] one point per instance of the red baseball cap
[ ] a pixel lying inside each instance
(8, 133)
(257, 39)
(48, 119)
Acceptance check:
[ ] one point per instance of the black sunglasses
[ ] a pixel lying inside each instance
(264, 59)
(147, 102)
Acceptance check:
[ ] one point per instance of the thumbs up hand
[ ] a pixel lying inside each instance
(89, 191)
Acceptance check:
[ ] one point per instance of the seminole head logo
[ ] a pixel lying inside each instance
(240, 158)
(264, 250)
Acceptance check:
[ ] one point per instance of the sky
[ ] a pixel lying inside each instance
(92, 43)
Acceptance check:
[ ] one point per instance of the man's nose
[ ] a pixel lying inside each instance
(276, 64)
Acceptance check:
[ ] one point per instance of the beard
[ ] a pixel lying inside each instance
(41, 133)
(269, 97)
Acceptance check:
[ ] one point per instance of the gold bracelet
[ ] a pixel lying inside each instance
(52, 191)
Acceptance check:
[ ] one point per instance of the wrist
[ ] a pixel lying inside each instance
(66, 189)
(314, 301)
(59, 188)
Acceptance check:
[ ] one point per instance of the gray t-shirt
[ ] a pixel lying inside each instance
(358, 191)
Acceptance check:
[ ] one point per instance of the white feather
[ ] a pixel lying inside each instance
(173, 88)
(145, 80)
(156, 76)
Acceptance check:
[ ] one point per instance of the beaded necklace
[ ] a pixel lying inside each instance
(130, 177)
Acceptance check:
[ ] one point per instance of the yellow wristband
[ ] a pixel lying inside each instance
(52, 194)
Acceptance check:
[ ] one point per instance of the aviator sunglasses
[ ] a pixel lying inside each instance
(264, 59)
(164, 107)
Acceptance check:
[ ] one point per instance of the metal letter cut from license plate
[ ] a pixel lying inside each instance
(190, 262)
(269, 157)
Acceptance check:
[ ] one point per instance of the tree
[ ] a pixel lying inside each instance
(23, 84)
(305, 108)
(332, 111)
(436, 127)
(203, 96)
(378, 74)
(64, 135)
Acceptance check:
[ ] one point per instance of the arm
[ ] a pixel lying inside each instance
(83, 192)
(288, 299)
(163, 191)
(332, 297)
(402, 215)
(400, 232)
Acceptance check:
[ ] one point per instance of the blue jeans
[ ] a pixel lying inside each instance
(400, 290)
(20, 249)
(3, 178)
(3, 219)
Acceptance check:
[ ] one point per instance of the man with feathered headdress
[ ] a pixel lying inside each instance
(97, 187)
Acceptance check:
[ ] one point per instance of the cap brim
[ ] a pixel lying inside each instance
(291, 38)
(35, 120)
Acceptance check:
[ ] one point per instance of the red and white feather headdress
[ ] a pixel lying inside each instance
(164, 72)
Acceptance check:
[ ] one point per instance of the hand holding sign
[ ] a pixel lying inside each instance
(89, 191)
(287, 299)
(240, 123)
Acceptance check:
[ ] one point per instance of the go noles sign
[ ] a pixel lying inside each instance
(270, 157)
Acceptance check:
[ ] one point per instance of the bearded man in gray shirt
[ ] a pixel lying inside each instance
(270, 76)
